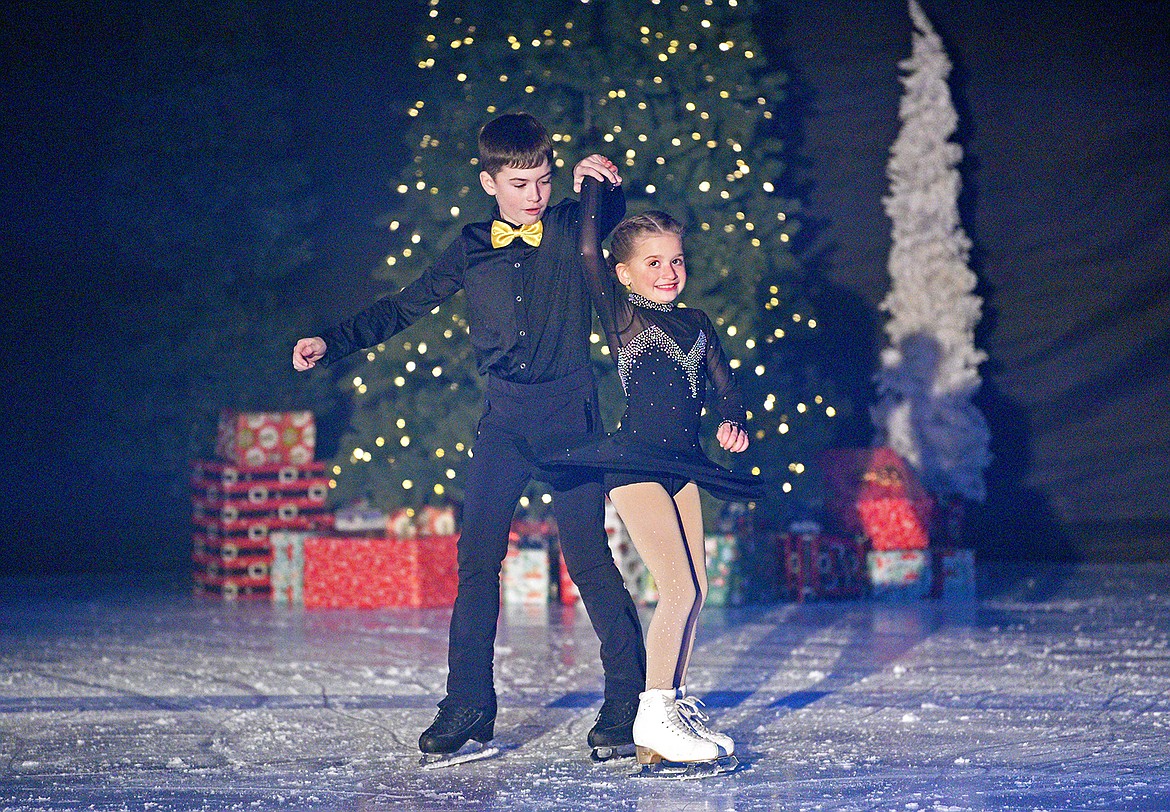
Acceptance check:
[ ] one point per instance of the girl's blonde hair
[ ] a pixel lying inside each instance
(631, 231)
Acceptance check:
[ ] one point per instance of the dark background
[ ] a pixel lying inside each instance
(1064, 111)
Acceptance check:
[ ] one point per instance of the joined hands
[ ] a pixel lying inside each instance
(595, 166)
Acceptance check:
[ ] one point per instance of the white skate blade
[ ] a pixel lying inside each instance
(687, 770)
(608, 753)
(472, 751)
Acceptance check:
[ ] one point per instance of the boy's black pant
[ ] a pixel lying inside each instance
(520, 420)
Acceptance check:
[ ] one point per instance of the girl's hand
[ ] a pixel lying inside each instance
(595, 166)
(731, 437)
(307, 353)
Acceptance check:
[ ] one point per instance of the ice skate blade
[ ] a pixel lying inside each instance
(609, 753)
(472, 751)
(686, 770)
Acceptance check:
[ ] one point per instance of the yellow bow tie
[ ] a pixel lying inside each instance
(503, 234)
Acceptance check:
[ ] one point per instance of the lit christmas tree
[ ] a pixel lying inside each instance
(679, 95)
(930, 371)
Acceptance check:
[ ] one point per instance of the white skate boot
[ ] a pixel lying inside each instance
(688, 709)
(667, 747)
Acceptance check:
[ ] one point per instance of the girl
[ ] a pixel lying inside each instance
(665, 357)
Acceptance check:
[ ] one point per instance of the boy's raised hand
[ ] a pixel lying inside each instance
(731, 437)
(308, 352)
(595, 166)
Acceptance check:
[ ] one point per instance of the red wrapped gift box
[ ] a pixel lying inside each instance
(568, 592)
(218, 529)
(265, 438)
(873, 491)
(233, 587)
(207, 474)
(237, 510)
(820, 566)
(370, 573)
(893, 524)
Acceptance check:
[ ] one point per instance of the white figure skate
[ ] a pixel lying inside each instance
(688, 709)
(667, 747)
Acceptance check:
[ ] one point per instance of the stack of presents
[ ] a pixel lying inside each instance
(262, 530)
(886, 536)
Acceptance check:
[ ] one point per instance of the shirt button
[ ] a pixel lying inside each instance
(522, 334)
(524, 366)
(519, 298)
(517, 264)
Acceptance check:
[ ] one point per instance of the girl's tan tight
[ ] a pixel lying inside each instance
(668, 534)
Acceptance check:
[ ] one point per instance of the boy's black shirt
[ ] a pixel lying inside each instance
(528, 308)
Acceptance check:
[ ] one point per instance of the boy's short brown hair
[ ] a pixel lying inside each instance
(515, 139)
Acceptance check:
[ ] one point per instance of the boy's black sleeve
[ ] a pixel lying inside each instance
(728, 400)
(398, 311)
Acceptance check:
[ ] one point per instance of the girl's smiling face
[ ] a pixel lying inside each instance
(657, 270)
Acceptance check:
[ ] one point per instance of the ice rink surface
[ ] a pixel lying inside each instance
(1051, 692)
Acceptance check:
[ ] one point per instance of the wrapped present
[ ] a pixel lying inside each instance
(434, 520)
(822, 566)
(898, 574)
(288, 568)
(872, 491)
(360, 519)
(230, 488)
(532, 532)
(208, 548)
(255, 568)
(232, 588)
(218, 529)
(401, 523)
(525, 577)
(893, 523)
(368, 573)
(723, 578)
(244, 510)
(211, 474)
(567, 591)
(647, 589)
(231, 568)
(264, 438)
(952, 573)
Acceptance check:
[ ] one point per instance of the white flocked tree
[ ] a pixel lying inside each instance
(930, 370)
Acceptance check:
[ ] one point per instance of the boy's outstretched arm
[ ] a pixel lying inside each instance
(595, 166)
(307, 352)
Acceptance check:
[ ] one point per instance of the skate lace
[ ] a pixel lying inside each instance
(688, 709)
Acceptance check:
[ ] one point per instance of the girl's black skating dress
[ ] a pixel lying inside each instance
(665, 356)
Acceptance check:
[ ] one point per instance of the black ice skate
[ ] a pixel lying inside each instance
(612, 735)
(459, 734)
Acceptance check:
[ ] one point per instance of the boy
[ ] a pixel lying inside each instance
(530, 320)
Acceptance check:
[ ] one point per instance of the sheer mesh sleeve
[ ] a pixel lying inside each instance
(612, 308)
(728, 400)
